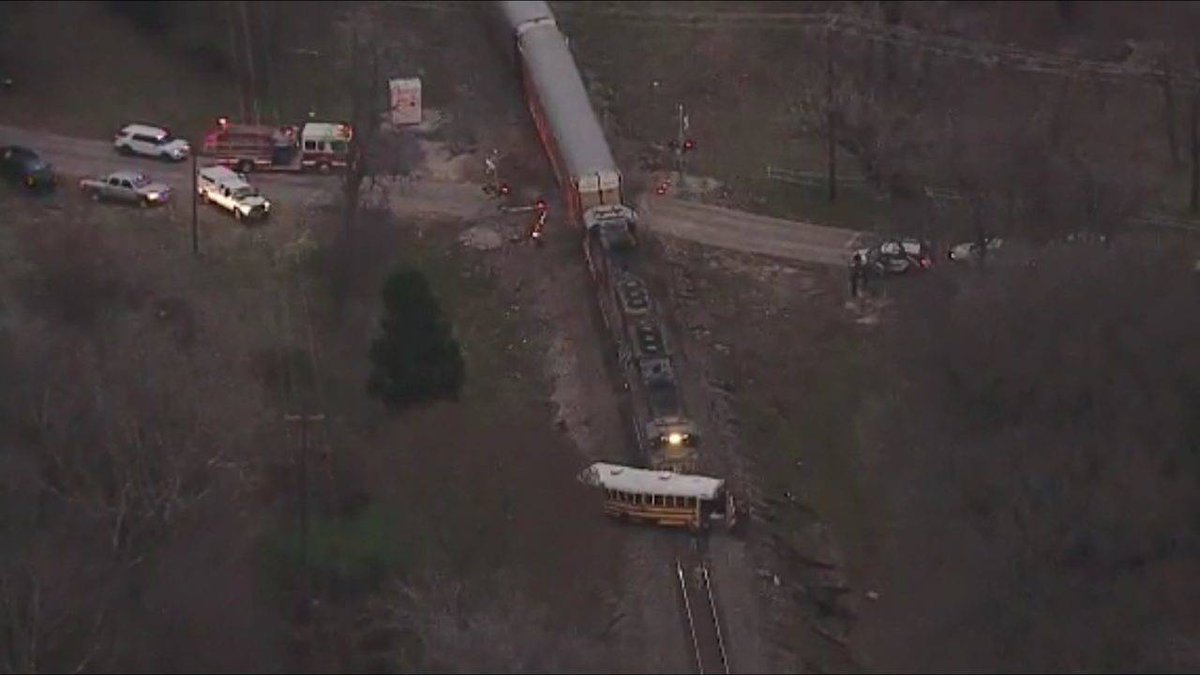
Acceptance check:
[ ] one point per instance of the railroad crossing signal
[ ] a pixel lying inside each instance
(689, 145)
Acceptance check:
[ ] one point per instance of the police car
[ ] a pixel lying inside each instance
(151, 141)
(974, 250)
(896, 256)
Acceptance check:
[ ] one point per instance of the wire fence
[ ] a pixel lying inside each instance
(944, 196)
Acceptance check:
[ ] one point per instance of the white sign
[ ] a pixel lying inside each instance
(405, 99)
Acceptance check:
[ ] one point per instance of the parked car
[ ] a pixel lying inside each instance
(972, 250)
(1087, 238)
(151, 141)
(132, 187)
(230, 190)
(897, 256)
(21, 166)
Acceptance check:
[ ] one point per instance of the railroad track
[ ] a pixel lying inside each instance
(701, 617)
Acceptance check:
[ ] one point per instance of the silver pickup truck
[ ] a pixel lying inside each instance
(133, 187)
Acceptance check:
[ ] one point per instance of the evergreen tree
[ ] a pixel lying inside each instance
(415, 359)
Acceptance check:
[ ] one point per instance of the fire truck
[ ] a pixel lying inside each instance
(323, 146)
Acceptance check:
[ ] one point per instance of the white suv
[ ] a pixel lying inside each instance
(229, 190)
(143, 139)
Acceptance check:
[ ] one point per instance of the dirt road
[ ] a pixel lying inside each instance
(700, 223)
(77, 157)
(746, 232)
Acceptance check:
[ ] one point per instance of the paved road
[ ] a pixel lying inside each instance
(78, 157)
(747, 232)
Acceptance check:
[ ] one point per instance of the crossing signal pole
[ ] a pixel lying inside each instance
(195, 198)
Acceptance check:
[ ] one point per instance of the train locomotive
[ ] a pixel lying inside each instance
(594, 198)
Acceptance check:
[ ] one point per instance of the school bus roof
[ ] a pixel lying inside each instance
(645, 481)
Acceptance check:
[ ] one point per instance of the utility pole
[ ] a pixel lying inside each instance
(302, 486)
(679, 160)
(195, 198)
(830, 117)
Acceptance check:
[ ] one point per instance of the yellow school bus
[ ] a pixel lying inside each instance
(661, 497)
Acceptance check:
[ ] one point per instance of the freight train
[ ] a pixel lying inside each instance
(593, 195)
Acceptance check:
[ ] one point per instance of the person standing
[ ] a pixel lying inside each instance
(857, 275)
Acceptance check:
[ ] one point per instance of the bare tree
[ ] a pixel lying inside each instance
(1169, 110)
(1047, 409)
(365, 79)
(1194, 133)
(446, 625)
(237, 59)
(251, 73)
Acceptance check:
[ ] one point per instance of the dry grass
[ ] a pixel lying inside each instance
(459, 487)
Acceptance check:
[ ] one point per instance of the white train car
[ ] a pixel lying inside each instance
(562, 112)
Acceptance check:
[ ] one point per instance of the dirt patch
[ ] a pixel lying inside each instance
(481, 237)
(443, 164)
(734, 311)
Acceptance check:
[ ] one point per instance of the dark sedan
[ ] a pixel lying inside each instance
(21, 166)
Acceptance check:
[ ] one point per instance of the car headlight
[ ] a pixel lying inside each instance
(244, 209)
(153, 196)
(266, 206)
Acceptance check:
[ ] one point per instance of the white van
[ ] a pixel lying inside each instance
(230, 190)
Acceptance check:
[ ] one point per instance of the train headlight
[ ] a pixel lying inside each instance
(675, 438)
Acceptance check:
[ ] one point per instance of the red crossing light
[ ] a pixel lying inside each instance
(689, 145)
(541, 205)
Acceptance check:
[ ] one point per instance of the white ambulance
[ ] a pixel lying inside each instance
(228, 189)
